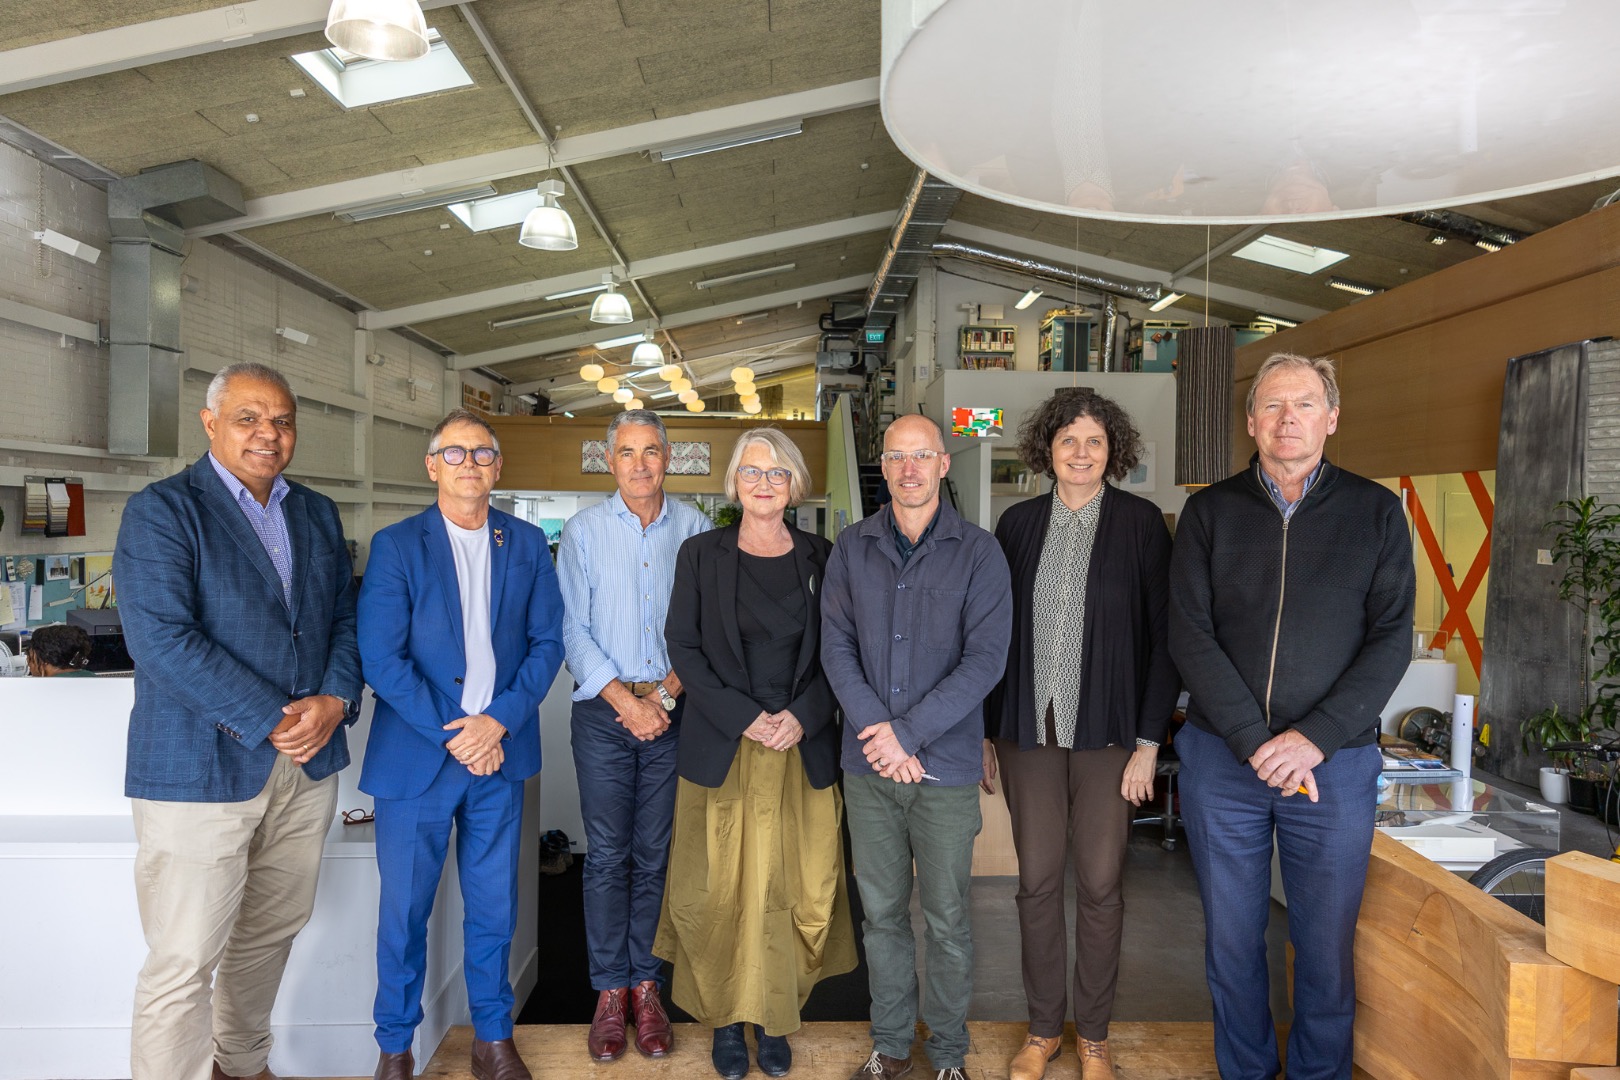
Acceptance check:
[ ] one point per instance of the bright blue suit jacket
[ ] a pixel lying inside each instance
(217, 652)
(414, 655)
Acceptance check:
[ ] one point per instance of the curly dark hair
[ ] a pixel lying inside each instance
(1063, 408)
(60, 646)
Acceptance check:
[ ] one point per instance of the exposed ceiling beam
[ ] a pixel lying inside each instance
(529, 351)
(84, 55)
(1102, 264)
(1231, 243)
(725, 348)
(571, 150)
(673, 263)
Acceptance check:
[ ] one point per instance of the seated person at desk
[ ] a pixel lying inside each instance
(58, 649)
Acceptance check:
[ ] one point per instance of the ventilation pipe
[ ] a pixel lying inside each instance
(149, 213)
(923, 213)
(1047, 271)
(1462, 227)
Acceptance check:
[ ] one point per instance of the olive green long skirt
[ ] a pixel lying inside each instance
(755, 910)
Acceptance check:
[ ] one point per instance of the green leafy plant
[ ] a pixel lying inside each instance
(721, 513)
(1586, 543)
(1554, 726)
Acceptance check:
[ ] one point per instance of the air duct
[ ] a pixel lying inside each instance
(926, 209)
(1046, 271)
(149, 213)
(1462, 227)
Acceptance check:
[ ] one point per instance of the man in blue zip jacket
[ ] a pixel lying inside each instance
(1291, 591)
(916, 616)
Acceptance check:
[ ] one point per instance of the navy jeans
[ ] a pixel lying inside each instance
(1323, 848)
(627, 798)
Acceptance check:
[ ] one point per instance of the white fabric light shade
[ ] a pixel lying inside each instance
(611, 307)
(669, 372)
(694, 406)
(647, 352)
(682, 383)
(592, 372)
(1253, 111)
(548, 228)
(634, 403)
(752, 407)
(687, 396)
(748, 398)
(378, 29)
(740, 375)
(623, 394)
(607, 385)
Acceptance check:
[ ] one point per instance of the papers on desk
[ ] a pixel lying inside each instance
(1408, 765)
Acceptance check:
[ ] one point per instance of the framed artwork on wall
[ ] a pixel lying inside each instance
(1142, 478)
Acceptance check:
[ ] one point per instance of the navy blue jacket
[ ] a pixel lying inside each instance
(217, 652)
(920, 644)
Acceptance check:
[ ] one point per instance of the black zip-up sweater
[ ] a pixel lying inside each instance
(1303, 624)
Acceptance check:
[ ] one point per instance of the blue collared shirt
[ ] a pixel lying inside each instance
(616, 579)
(269, 522)
(1276, 493)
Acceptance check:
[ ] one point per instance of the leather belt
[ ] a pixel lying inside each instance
(641, 689)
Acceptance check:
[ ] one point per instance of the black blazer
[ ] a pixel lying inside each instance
(705, 649)
(1128, 684)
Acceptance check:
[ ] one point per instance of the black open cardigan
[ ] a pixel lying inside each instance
(1128, 684)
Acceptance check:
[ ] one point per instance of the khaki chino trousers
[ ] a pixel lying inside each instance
(222, 889)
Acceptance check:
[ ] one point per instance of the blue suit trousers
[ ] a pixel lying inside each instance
(413, 838)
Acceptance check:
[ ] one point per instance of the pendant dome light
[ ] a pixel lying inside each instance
(548, 226)
(648, 353)
(612, 306)
(592, 372)
(378, 29)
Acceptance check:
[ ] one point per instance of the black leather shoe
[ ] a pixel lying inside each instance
(775, 1055)
(730, 1054)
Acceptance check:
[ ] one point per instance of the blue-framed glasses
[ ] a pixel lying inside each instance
(750, 474)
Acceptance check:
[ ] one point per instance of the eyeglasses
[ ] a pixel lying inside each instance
(358, 817)
(751, 475)
(898, 457)
(455, 455)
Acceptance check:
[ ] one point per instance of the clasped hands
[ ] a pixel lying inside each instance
(888, 759)
(1286, 762)
(477, 743)
(306, 726)
(775, 731)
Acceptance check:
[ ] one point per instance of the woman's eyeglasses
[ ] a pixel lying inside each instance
(751, 475)
(455, 455)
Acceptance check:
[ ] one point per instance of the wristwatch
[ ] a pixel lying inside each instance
(665, 699)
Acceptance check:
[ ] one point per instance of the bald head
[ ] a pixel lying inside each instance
(912, 427)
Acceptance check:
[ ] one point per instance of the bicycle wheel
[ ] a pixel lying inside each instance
(1518, 879)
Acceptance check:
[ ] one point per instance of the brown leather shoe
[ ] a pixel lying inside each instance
(1095, 1064)
(498, 1060)
(606, 1040)
(1030, 1062)
(653, 1036)
(221, 1074)
(400, 1066)
(882, 1067)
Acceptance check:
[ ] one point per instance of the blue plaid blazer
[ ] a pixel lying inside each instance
(217, 651)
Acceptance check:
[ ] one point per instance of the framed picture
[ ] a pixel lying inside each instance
(56, 567)
(593, 457)
(1142, 479)
(688, 459)
(1010, 476)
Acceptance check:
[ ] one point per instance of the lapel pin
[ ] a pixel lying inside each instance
(812, 585)
(500, 538)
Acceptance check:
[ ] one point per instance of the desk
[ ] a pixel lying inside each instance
(1464, 824)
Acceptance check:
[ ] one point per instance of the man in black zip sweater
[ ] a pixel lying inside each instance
(1291, 623)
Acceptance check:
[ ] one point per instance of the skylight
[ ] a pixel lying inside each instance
(355, 81)
(1287, 255)
(499, 212)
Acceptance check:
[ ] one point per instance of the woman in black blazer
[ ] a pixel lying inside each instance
(1085, 702)
(755, 911)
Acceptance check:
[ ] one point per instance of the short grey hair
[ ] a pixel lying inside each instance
(462, 416)
(641, 418)
(1323, 367)
(246, 369)
(784, 452)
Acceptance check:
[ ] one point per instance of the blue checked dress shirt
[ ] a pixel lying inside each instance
(269, 522)
(1281, 500)
(616, 579)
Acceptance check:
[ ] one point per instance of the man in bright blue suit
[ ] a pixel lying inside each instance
(238, 603)
(460, 638)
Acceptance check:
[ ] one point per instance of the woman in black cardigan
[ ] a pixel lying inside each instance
(1087, 698)
(755, 910)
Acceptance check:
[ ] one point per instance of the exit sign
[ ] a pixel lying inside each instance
(875, 337)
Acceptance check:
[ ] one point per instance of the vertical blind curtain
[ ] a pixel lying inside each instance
(1204, 404)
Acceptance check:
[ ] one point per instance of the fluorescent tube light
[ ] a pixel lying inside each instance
(1487, 245)
(598, 287)
(1165, 301)
(614, 343)
(542, 316)
(294, 335)
(420, 202)
(1276, 320)
(1027, 299)
(1357, 287)
(676, 151)
(495, 211)
(746, 275)
(68, 246)
(1288, 255)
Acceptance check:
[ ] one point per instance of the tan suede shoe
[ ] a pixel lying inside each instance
(1030, 1062)
(1095, 1064)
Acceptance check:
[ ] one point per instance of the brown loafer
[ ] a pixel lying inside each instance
(1030, 1062)
(882, 1067)
(263, 1074)
(400, 1066)
(653, 1036)
(606, 1040)
(498, 1060)
(1095, 1064)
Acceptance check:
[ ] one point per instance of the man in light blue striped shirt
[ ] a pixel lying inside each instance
(616, 566)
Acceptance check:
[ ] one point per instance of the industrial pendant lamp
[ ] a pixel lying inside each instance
(647, 353)
(611, 306)
(378, 29)
(548, 226)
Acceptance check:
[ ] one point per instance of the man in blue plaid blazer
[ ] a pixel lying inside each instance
(238, 603)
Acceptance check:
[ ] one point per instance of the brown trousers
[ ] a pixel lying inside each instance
(1067, 802)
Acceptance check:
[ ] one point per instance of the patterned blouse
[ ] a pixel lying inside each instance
(1060, 614)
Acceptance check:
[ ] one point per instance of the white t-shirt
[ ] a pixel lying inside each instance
(471, 550)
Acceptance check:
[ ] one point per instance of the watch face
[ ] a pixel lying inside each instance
(666, 700)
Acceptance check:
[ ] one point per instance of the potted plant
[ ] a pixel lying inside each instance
(1554, 726)
(1586, 542)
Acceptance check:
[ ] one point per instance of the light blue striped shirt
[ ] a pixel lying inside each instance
(269, 522)
(616, 579)
(1281, 500)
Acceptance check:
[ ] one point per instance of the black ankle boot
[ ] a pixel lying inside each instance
(730, 1053)
(775, 1055)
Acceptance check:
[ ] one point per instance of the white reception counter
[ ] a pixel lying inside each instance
(70, 938)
